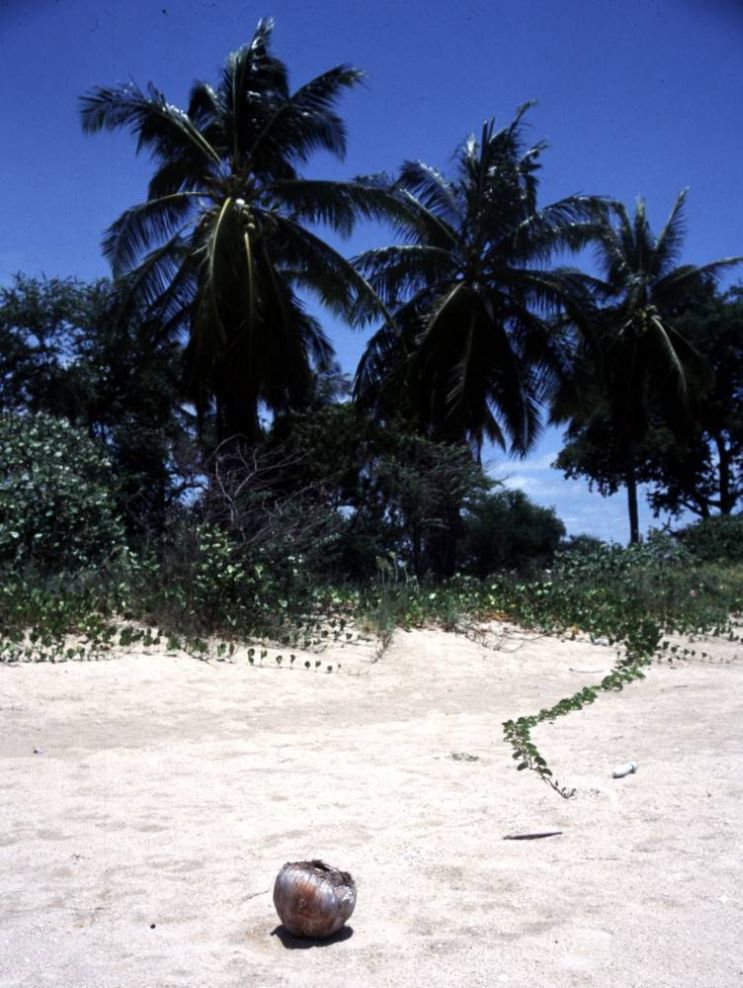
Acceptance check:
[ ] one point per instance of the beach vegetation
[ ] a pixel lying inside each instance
(184, 464)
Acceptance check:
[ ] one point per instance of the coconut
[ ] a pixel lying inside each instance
(313, 899)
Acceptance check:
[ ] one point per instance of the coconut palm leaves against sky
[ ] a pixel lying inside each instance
(222, 242)
(632, 357)
(471, 350)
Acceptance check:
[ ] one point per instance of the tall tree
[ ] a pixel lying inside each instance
(633, 356)
(468, 354)
(65, 351)
(393, 491)
(701, 470)
(221, 245)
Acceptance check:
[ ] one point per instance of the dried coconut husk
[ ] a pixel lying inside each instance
(313, 899)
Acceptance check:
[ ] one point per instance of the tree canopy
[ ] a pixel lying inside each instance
(471, 348)
(215, 395)
(701, 469)
(224, 242)
(632, 357)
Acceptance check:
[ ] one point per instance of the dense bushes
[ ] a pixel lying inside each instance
(715, 539)
(265, 542)
(56, 496)
(506, 530)
(67, 349)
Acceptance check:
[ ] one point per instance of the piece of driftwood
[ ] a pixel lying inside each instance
(537, 836)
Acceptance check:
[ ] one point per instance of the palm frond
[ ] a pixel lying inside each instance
(336, 204)
(417, 223)
(175, 176)
(670, 238)
(172, 310)
(518, 365)
(689, 276)
(325, 272)
(381, 371)
(163, 129)
(614, 246)
(253, 69)
(547, 293)
(135, 231)
(294, 343)
(431, 190)
(251, 291)
(399, 271)
(473, 378)
(671, 361)
(252, 82)
(436, 322)
(380, 356)
(498, 176)
(142, 288)
(306, 121)
(204, 105)
(569, 224)
(223, 272)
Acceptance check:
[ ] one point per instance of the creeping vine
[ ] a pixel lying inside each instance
(639, 654)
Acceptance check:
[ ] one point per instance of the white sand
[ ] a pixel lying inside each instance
(169, 792)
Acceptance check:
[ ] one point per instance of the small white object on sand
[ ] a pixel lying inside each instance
(628, 769)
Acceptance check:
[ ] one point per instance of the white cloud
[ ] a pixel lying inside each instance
(581, 510)
(499, 469)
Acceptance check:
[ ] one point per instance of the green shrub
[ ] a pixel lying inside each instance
(506, 530)
(581, 545)
(206, 581)
(715, 539)
(56, 496)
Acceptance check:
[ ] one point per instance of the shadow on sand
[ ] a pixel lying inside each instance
(304, 943)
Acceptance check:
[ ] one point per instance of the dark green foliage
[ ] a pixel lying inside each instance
(278, 520)
(702, 470)
(338, 512)
(626, 595)
(57, 505)
(507, 531)
(633, 359)
(65, 350)
(608, 590)
(715, 540)
(400, 495)
(698, 469)
(470, 349)
(425, 486)
(205, 583)
(581, 546)
(42, 324)
(224, 241)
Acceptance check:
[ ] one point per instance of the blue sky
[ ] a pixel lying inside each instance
(635, 97)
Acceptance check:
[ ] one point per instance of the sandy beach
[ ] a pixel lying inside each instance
(149, 800)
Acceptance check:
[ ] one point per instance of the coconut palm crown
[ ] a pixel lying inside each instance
(221, 245)
(471, 349)
(631, 356)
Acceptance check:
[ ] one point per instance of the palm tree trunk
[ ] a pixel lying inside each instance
(417, 547)
(237, 404)
(727, 499)
(630, 481)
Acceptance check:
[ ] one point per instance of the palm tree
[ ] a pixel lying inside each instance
(470, 349)
(221, 245)
(632, 357)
